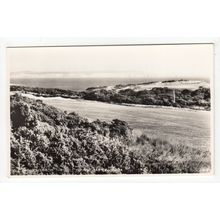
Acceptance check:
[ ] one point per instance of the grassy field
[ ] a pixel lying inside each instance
(187, 127)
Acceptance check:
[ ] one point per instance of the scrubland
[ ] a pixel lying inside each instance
(46, 141)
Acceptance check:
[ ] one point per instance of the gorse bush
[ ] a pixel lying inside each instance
(156, 96)
(45, 140)
(162, 157)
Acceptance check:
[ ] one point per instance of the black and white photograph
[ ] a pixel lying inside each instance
(111, 109)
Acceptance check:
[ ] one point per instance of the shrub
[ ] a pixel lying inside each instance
(47, 141)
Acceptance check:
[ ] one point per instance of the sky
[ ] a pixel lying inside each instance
(157, 61)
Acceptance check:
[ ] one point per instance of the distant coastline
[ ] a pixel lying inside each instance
(81, 84)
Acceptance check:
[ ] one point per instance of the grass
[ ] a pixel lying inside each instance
(187, 127)
(163, 157)
(45, 140)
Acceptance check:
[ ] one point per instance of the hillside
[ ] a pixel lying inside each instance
(45, 140)
(175, 93)
(170, 84)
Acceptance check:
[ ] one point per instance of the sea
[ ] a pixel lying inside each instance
(77, 84)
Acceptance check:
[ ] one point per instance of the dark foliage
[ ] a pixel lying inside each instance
(184, 98)
(46, 92)
(199, 98)
(45, 140)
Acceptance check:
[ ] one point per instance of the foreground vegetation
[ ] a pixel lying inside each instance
(184, 98)
(45, 140)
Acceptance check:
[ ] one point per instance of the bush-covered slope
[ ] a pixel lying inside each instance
(184, 98)
(160, 96)
(45, 140)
